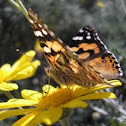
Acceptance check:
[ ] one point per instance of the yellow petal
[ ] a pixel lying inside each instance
(27, 57)
(4, 72)
(6, 68)
(9, 113)
(48, 88)
(17, 103)
(81, 91)
(8, 86)
(25, 71)
(115, 83)
(78, 91)
(48, 117)
(75, 104)
(26, 119)
(100, 95)
(31, 95)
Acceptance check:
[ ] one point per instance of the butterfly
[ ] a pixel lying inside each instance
(85, 62)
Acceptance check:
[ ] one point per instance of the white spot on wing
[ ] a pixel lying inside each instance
(104, 45)
(88, 33)
(96, 34)
(51, 33)
(44, 32)
(60, 40)
(46, 27)
(31, 21)
(88, 37)
(121, 74)
(40, 25)
(98, 38)
(77, 38)
(81, 30)
(47, 50)
(38, 34)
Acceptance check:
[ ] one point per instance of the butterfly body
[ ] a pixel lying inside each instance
(70, 65)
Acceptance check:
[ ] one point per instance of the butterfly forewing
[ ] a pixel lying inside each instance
(52, 46)
(89, 47)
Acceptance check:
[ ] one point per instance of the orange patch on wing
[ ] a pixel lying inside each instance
(83, 45)
(56, 46)
(57, 56)
(53, 59)
(90, 46)
(63, 49)
(75, 49)
(105, 68)
(86, 46)
(84, 55)
(49, 44)
(97, 50)
(74, 65)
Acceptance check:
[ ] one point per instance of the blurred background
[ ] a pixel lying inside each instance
(65, 18)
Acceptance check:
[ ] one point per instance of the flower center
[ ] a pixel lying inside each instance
(56, 98)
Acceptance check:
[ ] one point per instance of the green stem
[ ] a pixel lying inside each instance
(23, 9)
(9, 95)
(18, 4)
(65, 122)
(14, 3)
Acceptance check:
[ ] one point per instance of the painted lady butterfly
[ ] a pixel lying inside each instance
(85, 62)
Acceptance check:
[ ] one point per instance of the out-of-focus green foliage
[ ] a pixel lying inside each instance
(65, 18)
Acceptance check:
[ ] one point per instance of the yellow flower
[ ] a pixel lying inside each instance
(21, 69)
(49, 109)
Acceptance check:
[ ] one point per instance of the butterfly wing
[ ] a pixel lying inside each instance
(52, 46)
(65, 66)
(92, 50)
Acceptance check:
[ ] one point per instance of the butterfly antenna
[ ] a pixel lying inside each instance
(22, 53)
